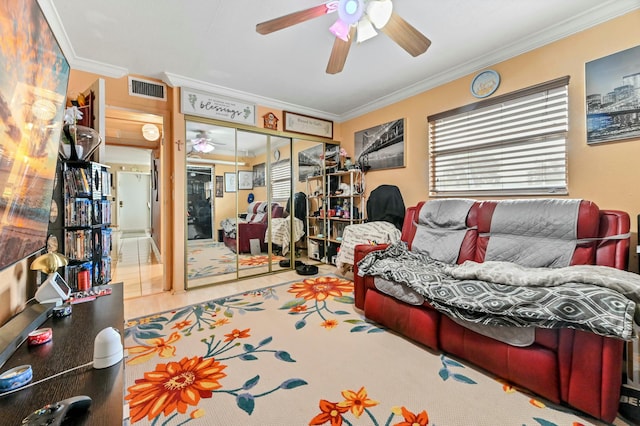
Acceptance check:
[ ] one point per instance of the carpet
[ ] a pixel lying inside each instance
(297, 354)
(207, 258)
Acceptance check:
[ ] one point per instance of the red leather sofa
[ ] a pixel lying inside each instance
(574, 367)
(254, 226)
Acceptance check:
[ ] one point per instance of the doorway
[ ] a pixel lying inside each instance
(134, 203)
(136, 255)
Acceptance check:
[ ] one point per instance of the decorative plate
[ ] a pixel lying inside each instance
(485, 83)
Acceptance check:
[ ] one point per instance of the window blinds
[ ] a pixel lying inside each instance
(511, 144)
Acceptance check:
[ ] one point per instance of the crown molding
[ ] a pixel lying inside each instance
(176, 80)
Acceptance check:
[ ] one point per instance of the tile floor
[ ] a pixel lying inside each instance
(136, 263)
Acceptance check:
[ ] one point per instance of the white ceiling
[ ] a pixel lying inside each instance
(212, 45)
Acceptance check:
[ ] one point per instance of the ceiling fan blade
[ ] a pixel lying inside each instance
(339, 53)
(406, 36)
(294, 18)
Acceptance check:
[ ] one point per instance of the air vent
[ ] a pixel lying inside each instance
(147, 89)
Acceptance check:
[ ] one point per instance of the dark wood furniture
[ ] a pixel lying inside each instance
(72, 346)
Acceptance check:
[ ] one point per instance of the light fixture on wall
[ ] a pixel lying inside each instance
(150, 132)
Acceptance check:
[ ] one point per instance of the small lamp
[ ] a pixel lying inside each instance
(49, 263)
(54, 289)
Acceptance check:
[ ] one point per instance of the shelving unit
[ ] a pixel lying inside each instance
(80, 222)
(334, 201)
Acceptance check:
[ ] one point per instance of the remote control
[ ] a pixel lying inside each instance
(55, 414)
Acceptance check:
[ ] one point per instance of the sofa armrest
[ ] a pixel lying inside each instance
(590, 369)
(361, 284)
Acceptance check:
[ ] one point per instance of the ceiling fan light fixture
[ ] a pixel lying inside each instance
(340, 29)
(350, 11)
(202, 145)
(365, 30)
(150, 132)
(379, 12)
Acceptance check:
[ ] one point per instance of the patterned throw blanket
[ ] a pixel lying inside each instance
(584, 299)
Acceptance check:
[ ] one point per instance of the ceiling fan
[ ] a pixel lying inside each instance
(202, 142)
(355, 18)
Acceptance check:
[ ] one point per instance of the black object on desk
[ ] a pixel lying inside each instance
(71, 409)
(71, 347)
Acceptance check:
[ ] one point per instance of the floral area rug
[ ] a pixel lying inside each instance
(299, 354)
(207, 258)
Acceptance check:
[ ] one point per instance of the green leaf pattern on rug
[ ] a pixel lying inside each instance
(249, 351)
(445, 373)
(246, 400)
(196, 317)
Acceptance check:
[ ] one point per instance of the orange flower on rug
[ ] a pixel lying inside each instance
(358, 403)
(174, 387)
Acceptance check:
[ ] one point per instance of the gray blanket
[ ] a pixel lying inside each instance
(580, 305)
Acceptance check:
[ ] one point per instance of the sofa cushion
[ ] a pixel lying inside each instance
(441, 228)
(546, 227)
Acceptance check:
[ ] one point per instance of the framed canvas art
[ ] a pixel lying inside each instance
(613, 97)
(380, 147)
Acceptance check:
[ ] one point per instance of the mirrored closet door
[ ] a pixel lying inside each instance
(246, 211)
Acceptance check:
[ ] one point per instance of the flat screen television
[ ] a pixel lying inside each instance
(33, 87)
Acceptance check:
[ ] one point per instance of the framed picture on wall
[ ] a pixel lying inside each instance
(380, 147)
(245, 179)
(229, 182)
(310, 162)
(259, 175)
(613, 101)
(219, 186)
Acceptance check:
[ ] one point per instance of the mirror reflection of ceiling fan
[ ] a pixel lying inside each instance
(202, 142)
(355, 17)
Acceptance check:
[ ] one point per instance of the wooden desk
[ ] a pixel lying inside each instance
(72, 346)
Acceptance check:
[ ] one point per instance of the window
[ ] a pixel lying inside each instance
(508, 145)
(280, 180)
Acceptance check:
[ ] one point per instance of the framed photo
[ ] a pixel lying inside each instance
(299, 123)
(229, 182)
(219, 186)
(612, 101)
(310, 162)
(259, 175)
(245, 179)
(380, 147)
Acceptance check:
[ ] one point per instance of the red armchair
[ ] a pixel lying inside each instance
(252, 227)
